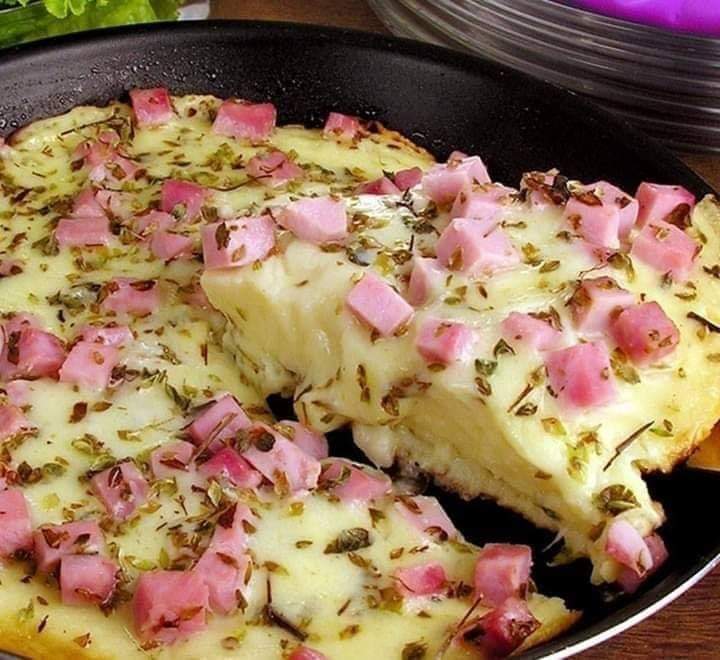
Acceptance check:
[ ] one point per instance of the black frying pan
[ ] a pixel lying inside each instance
(444, 101)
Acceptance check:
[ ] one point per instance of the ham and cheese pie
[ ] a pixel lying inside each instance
(168, 265)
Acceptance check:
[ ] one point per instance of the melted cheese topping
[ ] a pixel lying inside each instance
(178, 361)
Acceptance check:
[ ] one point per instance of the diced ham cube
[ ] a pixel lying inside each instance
(12, 422)
(311, 442)
(406, 179)
(273, 168)
(427, 516)
(422, 580)
(125, 295)
(167, 459)
(281, 462)
(228, 465)
(486, 203)
(111, 334)
(122, 489)
(629, 580)
(426, 279)
(89, 365)
(230, 535)
(220, 421)
(374, 302)
(316, 219)
(597, 223)
(475, 247)
(245, 120)
(182, 199)
(87, 579)
(225, 578)
(443, 183)
(151, 107)
(342, 126)
(645, 333)
(502, 570)
(15, 525)
(381, 186)
(625, 545)
(231, 244)
(306, 653)
(29, 352)
(86, 205)
(169, 606)
(105, 160)
(168, 245)
(536, 332)
(666, 248)
(659, 202)
(611, 196)
(53, 542)
(148, 223)
(444, 342)
(596, 302)
(353, 483)
(18, 392)
(502, 630)
(580, 376)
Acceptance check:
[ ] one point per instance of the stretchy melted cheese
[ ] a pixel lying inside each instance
(177, 361)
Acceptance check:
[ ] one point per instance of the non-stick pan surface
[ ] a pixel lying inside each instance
(444, 101)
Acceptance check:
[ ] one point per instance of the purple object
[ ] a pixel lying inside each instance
(697, 16)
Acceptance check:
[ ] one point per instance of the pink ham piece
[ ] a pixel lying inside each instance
(170, 458)
(9, 267)
(245, 120)
(87, 579)
(666, 248)
(182, 199)
(427, 516)
(15, 525)
(596, 302)
(502, 570)
(281, 462)
(381, 186)
(18, 392)
(625, 545)
(426, 280)
(629, 580)
(151, 107)
(311, 442)
(612, 197)
(121, 489)
(231, 244)
(130, 296)
(502, 630)
(406, 179)
(374, 302)
(484, 203)
(475, 247)
(353, 483)
(29, 352)
(148, 223)
(86, 205)
(443, 183)
(168, 245)
(53, 542)
(169, 606)
(645, 333)
(306, 653)
(107, 335)
(342, 126)
(13, 422)
(89, 365)
(273, 168)
(444, 342)
(657, 202)
(318, 220)
(105, 160)
(228, 465)
(421, 580)
(531, 331)
(225, 578)
(219, 421)
(580, 376)
(597, 223)
(231, 530)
